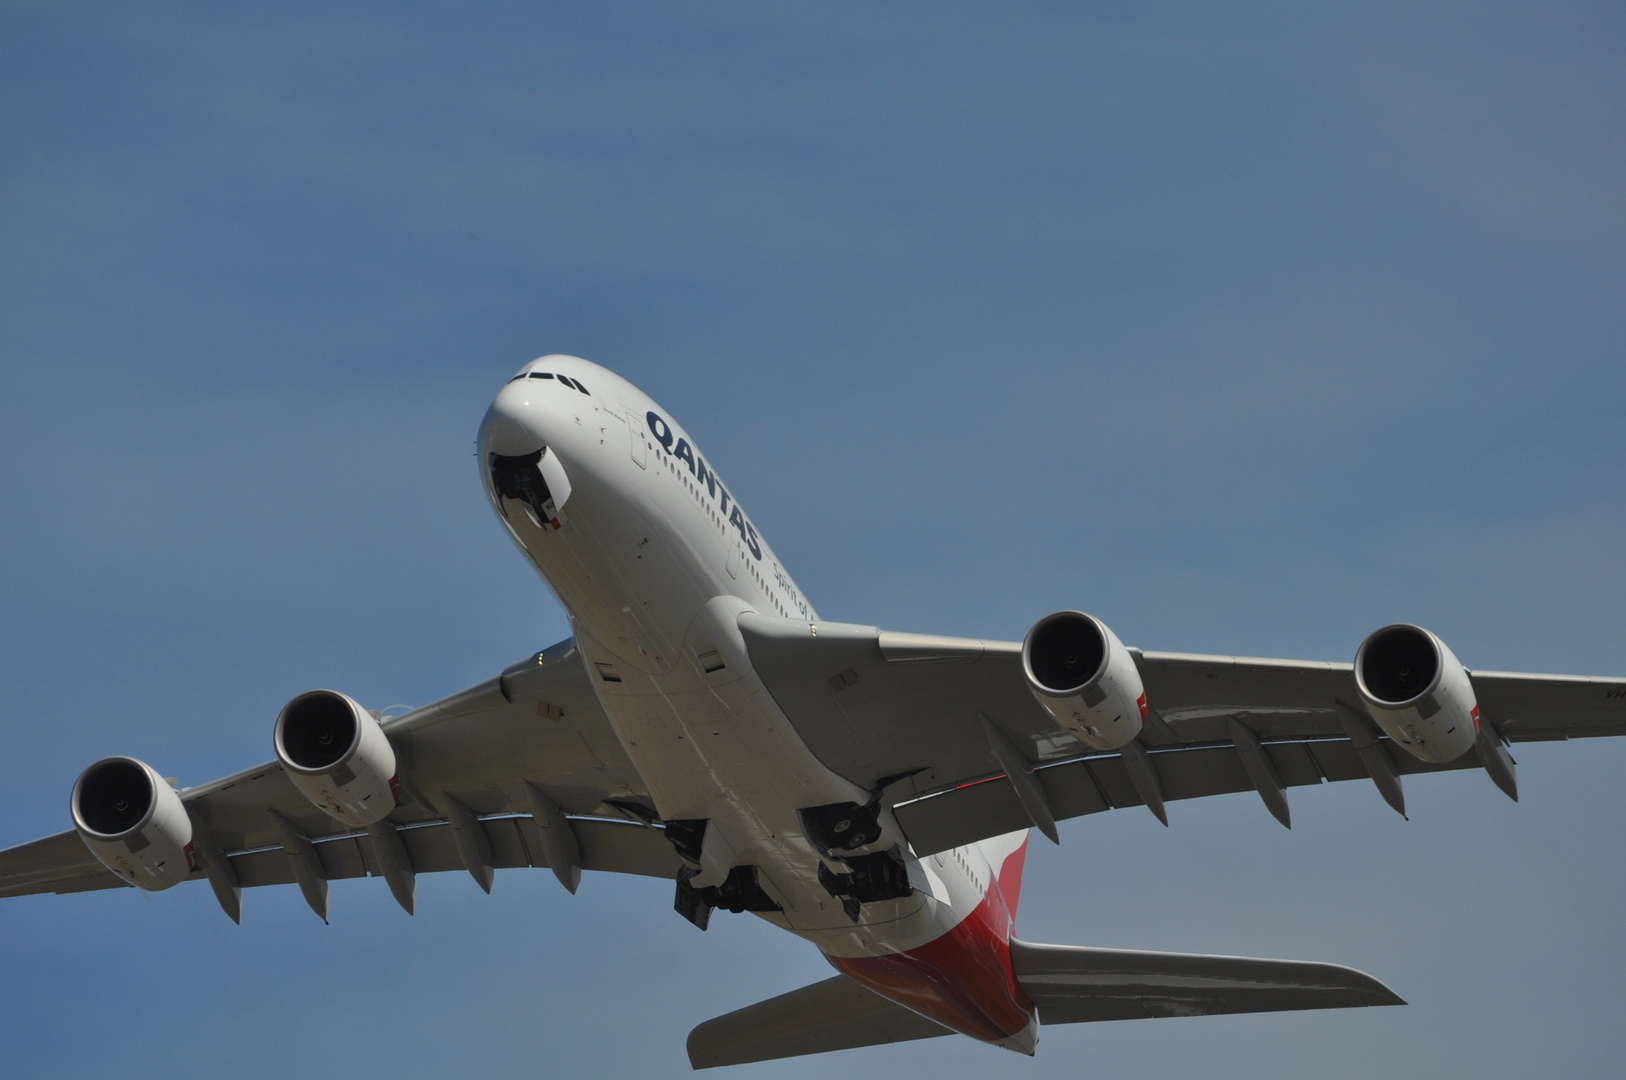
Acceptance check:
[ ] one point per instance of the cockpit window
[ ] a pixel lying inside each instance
(566, 380)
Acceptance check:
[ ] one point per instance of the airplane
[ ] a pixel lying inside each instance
(870, 791)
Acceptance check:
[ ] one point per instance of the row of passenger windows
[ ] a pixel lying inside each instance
(716, 519)
(692, 488)
(965, 863)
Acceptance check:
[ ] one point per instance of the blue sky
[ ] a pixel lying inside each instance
(1248, 331)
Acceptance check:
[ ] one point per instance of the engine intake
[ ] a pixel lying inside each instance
(1084, 677)
(338, 757)
(134, 823)
(1418, 692)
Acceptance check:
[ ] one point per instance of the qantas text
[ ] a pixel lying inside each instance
(684, 453)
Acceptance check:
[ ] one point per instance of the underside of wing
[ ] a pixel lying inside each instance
(475, 771)
(836, 1014)
(54, 864)
(616, 847)
(1544, 708)
(538, 722)
(989, 806)
(914, 713)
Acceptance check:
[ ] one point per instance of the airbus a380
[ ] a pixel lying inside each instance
(869, 791)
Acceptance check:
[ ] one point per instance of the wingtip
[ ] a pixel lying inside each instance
(698, 1059)
(1372, 990)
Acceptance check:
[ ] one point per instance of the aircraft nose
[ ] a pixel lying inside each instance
(519, 464)
(517, 422)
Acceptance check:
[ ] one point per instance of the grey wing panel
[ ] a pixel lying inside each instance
(1195, 695)
(608, 846)
(538, 722)
(874, 706)
(836, 1014)
(1535, 708)
(54, 864)
(1294, 698)
(1071, 985)
(989, 807)
(869, 716)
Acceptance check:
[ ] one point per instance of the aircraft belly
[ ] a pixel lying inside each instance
(717, 748)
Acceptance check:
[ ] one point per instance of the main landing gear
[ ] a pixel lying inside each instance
(871, 878)
(837, 830)
(739, 892)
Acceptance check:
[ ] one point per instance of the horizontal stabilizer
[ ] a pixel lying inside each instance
(836, 1014)
(1071, 985)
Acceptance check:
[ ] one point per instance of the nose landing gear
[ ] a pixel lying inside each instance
(525, 479)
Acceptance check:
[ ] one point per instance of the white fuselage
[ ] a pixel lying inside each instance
(654, 560)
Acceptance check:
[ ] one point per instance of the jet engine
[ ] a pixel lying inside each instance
(134, 823)
(1418, 692)
(338, 757)
(1083, 676)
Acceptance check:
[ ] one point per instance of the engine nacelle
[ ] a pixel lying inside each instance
(1417, 691)
(1084, 677)
(338, 757)
(134, 823)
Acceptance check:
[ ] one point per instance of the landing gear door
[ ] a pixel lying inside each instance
(553, 474)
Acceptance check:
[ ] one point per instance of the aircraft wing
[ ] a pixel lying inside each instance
(908, 711)
(873, 705)
(537, 723)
